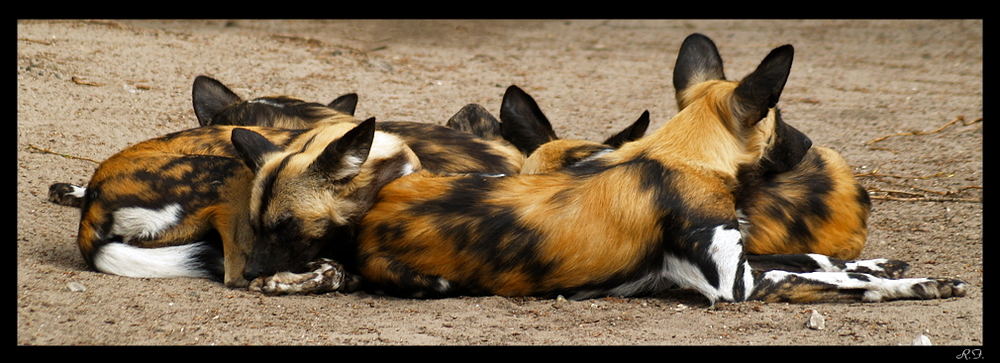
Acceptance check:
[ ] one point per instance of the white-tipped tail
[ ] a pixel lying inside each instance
(175, 261)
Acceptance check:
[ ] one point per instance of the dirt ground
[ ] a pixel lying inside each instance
(86, 89)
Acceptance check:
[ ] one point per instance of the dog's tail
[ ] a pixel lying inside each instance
(189, 260)
(70, 195)
(112, 243)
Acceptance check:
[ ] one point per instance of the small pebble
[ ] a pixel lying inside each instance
(816, 321)
(922, 340)
(76, 287)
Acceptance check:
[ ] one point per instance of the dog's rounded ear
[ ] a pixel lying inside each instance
(345, 104)
(251, 147)
(342, 158)
(697, 61)
(760, 90)
(210, 97)
(633, 132)
(476, 120)
(522, 122)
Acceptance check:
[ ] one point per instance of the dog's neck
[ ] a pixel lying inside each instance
(700, 137)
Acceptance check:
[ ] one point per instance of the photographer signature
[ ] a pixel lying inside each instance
(968, 354)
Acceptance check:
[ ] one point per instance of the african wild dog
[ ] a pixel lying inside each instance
(816, 207)
(441, 148)
(165, 207)
(656, 212)
(216, 104)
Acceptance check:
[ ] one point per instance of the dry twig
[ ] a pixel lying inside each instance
(958, 119)
(875, 173)
(47, 151)
(84, 81)
(35, 41)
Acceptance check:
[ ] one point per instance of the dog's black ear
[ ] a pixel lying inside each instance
(342, 158)
(697, 61)
(251, 147)
(631, 133)
(760, 90)
(476, 120)
(210, 97)
(345, 104)
(522, 122)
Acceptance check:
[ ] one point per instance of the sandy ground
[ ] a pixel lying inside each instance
(87, 89)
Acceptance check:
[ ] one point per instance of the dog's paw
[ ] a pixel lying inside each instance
(939, 289)
(326, 276)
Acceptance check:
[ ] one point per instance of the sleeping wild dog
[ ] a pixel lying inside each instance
(816, 207)
(656, 212)
(166, 207)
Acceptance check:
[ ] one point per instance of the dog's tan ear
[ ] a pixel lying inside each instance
(697, 61)
(342, 158)
(251, 147)
(210, 97)
(345, 104)
(633, 132)
(760, 90)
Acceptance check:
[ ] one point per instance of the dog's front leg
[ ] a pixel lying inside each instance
(325, 275)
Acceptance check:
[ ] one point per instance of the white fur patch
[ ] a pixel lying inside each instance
(872, 265)
(77, 192)
(175, 261)
(825, 264)
(266, 102)
(725, 251)
(137, 222)
(385, 146)
(407, 169)
(442, 285)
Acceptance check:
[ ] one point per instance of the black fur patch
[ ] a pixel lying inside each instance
(458, 144)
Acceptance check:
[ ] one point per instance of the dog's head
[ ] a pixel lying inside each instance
(748, 107)
(216, 104)
(313, 192)
(521, 123)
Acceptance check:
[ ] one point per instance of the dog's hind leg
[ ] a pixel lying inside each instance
(66, 194)
(879, 267)
(724, 272)
(824, 287)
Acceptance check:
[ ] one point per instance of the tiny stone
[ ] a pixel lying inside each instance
(560, 298)
(816, 321)
(76, 287)
(922, 340)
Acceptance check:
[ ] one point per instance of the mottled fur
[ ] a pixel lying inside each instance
(816, 207)
(656, 212)
(185, 188)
